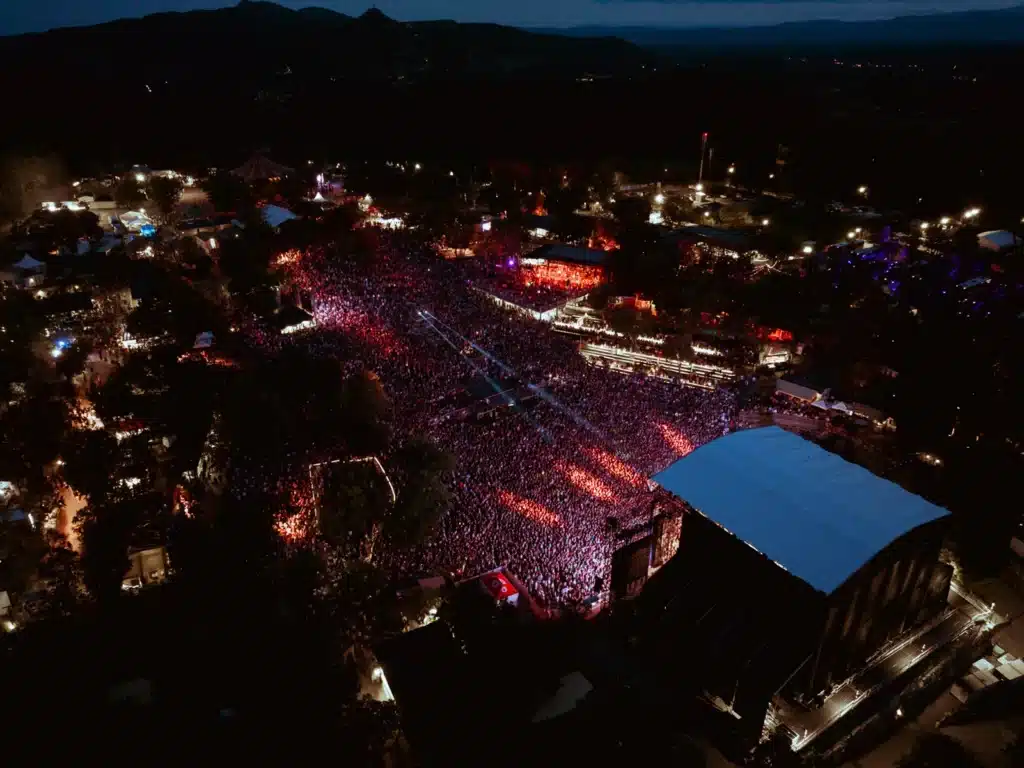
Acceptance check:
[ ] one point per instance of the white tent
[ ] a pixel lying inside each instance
(28, 264)
(319, 198)
(275, 216)
(997, 239)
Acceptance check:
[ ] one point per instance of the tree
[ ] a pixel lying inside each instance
(632, 211)
(165, 193)
(60, 572)
(21, 549)
(937, 750)
(107, 532)
(366, 413)
(424, 495)
(129, 193)
(228, 193)
(91, 459)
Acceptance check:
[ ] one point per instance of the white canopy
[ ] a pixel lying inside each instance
(28, 263)
(275, 215)
(997, 239)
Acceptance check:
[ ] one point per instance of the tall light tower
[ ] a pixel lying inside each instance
(703, 149)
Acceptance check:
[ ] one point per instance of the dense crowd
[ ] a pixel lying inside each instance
(538, 478)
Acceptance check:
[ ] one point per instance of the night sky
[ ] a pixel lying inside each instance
(31, 15)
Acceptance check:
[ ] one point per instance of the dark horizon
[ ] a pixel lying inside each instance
(21, 16)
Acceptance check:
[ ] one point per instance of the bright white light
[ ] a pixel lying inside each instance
(76, 184)
(31, 520)
(707, 214)
(213, 243)
(418, 166)
(378, 673)
(432, 611)
(140, 177)
(862, 190)
(50, 206)
(699, 187)
(924, 225)
(857, 230)
(970, 214)
(655, 218)
(190, 181)
(56, 352)
(659, 198)
(485, 226)
(142, 211)
(732, 169)
(944, 220)
(771, 175)
(850, 235)
(808, 249)
(9, 625)
(764, 222)
(451, 173)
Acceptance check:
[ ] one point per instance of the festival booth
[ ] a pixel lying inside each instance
(27, 272)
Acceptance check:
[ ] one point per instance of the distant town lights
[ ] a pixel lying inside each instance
(944, 220)
(971, 213)
(924, 225)
(418, 166)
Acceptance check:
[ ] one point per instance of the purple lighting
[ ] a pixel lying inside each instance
(511, 263)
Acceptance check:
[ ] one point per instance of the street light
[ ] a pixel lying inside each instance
(924, 225)
(451, 173)
(771, 175)
(808, 249)
(732, 169)
(140, 177)
(764, 222)
(659, 198)
(857, 230)
(944, 220)
(862, 190)
(417, 166)
(699, 187)
(850, 235)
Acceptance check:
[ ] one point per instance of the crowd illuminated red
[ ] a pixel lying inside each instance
(616, 467)
(529, 509)
(586, 482)
(554, 274)
(676, 440)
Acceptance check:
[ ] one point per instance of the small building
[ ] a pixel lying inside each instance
(695, 242)
(797, 391)
(27, 272)
(147, 566)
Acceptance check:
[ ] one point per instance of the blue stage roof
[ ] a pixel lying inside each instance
(818, 516)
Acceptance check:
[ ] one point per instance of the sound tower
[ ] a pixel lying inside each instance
(630, 566)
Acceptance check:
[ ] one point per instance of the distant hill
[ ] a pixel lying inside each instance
(262, 38)
(966, 28)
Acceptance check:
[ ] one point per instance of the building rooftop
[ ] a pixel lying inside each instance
(570, 253)
(815, 514)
